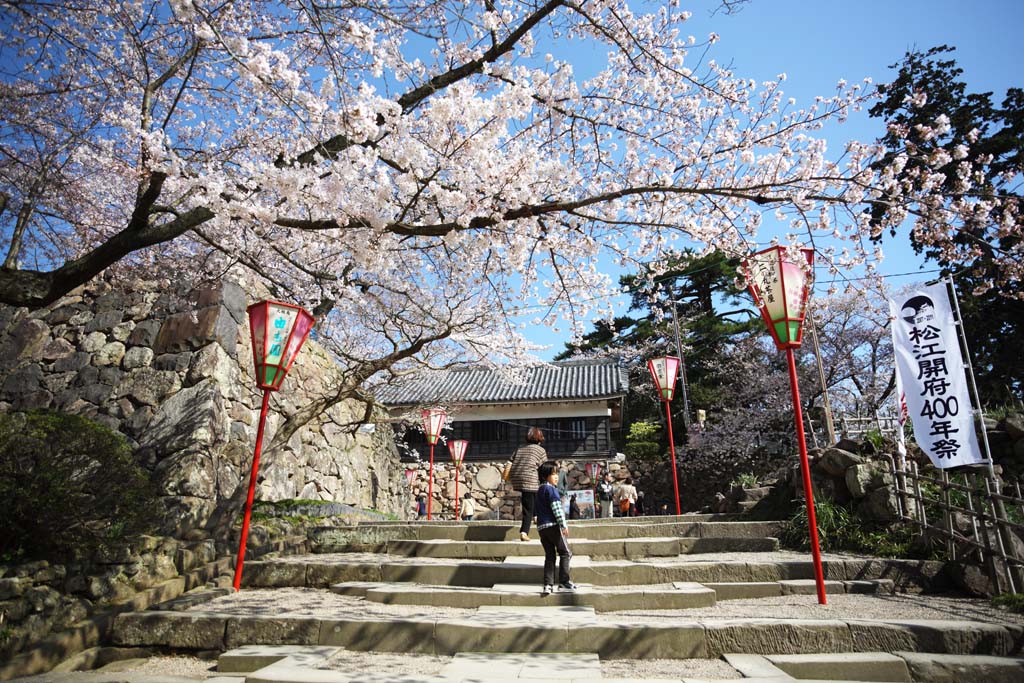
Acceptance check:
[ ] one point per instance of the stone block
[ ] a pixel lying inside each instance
(810, 587)
(959, 637)
(406, 635)
(746, 591)
(192, 631)
(194, 329)
(191, 417)
(937, 668)
(862, 666)
(771, 636)
(324, 575)
(456, 636)
(145, 333)
(270, 630)
(640, 641)
(835, 461)
(137, 357)
(247, 659)
(273, 574)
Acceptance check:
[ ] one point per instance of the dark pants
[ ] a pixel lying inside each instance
(528, 498)
(554, 542)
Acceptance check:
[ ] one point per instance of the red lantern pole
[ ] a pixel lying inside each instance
(430, 485)
(672, 450)
(252, 489)
(805, 469)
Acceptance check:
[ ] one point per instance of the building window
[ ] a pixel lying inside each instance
(578, 429)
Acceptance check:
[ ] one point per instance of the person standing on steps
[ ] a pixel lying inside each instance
(523, 475)
(468, 508)
(553, 530)
(625, 498)
(605, 492)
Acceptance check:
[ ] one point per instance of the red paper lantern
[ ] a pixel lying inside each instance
(278, 332)
(780, 287)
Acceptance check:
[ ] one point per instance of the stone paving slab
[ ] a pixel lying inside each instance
(574, 629)
(560, 666)
(680, 595)
(939, 668)
(249, 658)
(868, 666)
(321, 574)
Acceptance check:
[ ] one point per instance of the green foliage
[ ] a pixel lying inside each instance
(644, 450)
(643, 430)
(994, 139)
(68, 487)
(876, 439)
(711, 316)
(839, 529)
(1014, 602)
(1003, 411)
(640, 443)
(746, 480)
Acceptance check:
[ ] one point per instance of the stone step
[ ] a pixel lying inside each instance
(679, 595)
(329, 539)
(633, 549)
(295, 664)
(861, 666)
(317, 573)
(508, 629)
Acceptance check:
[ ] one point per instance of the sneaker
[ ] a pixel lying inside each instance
(523, 537)
(548, 590)
(567, 586)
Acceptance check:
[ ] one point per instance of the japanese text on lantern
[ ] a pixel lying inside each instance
(281, 320)
(933, 374)
(766, 279)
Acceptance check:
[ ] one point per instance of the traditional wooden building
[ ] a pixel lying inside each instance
(578, 404)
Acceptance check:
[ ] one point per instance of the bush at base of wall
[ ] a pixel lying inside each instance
(68, 487)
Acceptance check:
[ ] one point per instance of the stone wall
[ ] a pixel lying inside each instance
(173, 372)
(37, 598)
(494, 498)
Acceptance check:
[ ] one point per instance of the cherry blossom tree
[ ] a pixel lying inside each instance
(417, 172)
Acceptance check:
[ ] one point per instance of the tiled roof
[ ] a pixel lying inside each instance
(564, 380)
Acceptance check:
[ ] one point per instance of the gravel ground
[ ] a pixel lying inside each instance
(191, 667)
(667, 668)
(880, 607)
(324, 604)
(385, 662)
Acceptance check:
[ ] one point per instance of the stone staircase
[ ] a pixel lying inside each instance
(459, 590)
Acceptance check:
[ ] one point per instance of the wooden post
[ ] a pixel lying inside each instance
(947, 515)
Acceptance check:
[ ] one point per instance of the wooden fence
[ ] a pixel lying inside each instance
(976, 522)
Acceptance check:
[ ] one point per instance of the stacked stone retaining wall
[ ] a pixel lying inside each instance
(172, 371)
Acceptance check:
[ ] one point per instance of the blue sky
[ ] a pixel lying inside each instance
(817, 42)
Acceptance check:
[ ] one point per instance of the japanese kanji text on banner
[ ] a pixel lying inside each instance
(931, 371)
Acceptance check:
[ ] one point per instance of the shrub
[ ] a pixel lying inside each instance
(1014, 602)
(747, 480)
(840, 529)
(643, 450)
(68, 487)
(640, 444)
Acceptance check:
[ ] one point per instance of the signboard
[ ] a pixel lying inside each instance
(930, 371)
(585, 499)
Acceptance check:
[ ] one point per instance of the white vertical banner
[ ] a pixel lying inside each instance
(931, 371)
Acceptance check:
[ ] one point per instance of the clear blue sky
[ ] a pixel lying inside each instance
(817, 42)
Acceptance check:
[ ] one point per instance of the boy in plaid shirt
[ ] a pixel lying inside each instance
(553, 530)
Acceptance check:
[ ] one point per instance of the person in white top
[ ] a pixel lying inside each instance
(625, 498)
(468, 507)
